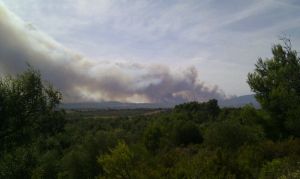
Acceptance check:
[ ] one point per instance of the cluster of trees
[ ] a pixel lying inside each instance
(193, 140)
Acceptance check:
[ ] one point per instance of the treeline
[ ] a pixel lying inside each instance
(193, 140)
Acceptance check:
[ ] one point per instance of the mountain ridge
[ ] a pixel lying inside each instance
(232, 102)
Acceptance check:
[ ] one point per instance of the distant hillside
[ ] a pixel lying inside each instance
(114, 105)
(233, 102)
(240, 101)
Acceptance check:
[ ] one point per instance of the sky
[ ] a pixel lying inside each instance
(144, 50)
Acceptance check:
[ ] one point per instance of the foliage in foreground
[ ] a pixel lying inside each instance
(193, 140)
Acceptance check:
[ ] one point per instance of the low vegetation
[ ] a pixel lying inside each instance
(193, 140)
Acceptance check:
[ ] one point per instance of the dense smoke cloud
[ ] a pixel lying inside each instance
(81, 79)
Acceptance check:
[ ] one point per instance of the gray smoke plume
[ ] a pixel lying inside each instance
(81, 79)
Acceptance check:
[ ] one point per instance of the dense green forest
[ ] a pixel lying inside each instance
(192, 140)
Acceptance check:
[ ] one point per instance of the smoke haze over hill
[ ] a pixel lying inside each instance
(83, 79)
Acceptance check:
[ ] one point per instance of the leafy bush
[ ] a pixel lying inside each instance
(187, 133)
(282, 168)
(231, 134)
(119, 163)
(152, 137)
(28, 110)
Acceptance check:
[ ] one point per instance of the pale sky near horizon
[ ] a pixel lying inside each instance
(220, 39)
